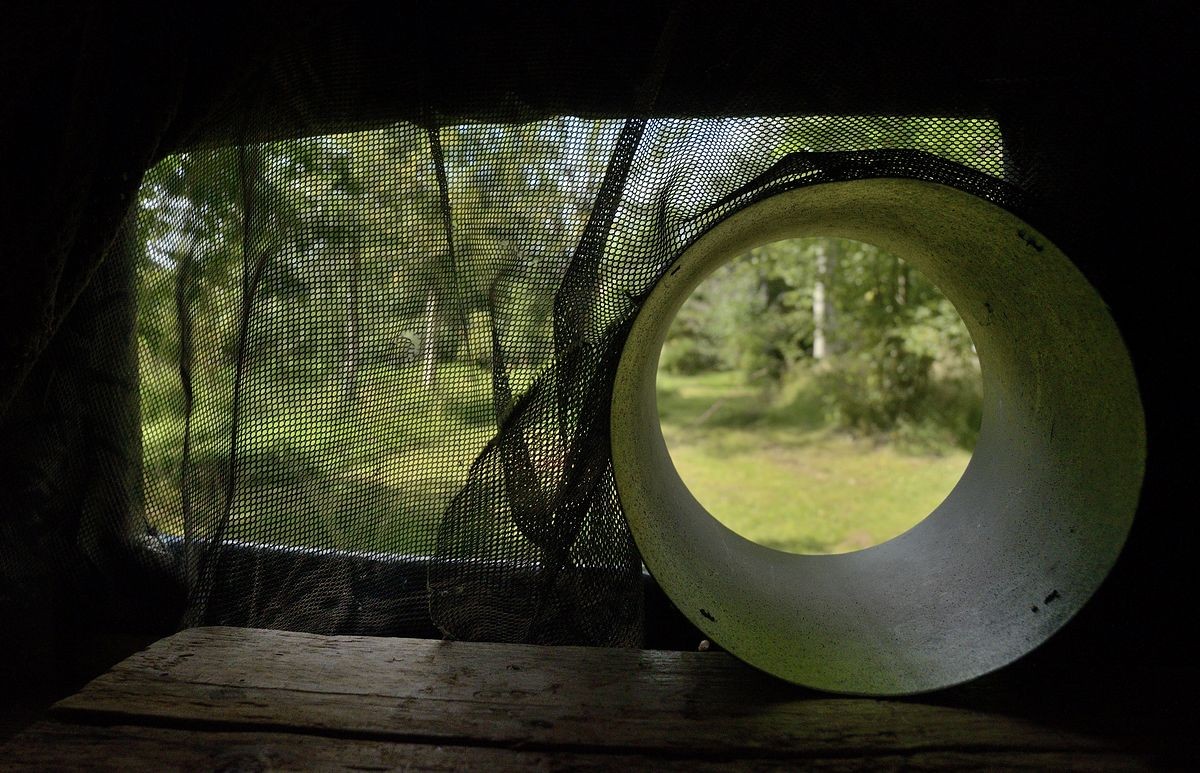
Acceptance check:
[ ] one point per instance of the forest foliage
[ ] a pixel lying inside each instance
(868, 340)
(336, 311)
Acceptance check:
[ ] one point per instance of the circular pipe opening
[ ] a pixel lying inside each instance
(1018, 546)
(819, 396)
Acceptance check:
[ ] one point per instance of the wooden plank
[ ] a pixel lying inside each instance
(570, 697)
(15, 717)
(52, 745)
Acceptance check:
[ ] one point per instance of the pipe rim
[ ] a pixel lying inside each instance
(1018, 546)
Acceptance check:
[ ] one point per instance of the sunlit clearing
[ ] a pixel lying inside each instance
(819, 395)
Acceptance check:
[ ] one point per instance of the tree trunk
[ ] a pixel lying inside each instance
(820, 302)
(428, 336)
(353, 331)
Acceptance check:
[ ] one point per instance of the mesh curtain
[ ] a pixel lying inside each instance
(396, 347)
(346, 368)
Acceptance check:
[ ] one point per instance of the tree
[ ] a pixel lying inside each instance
(898, 346)
(312, 267)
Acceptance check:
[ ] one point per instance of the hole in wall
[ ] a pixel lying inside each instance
(819, 395)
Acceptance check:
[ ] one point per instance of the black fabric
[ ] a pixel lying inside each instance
(526, 540)
(500, 303)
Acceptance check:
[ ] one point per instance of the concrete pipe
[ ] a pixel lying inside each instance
(1017, 547)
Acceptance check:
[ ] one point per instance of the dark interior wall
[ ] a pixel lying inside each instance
(1095, 126)
(1092, 105)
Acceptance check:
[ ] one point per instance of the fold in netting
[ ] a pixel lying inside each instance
(375, 367)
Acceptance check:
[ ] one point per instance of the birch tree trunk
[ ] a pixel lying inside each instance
(820, 302)
(428, 344)
(353, 330)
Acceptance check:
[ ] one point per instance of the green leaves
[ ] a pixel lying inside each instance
(896, 354)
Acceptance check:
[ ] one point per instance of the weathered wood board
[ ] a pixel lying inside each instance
(244, 698)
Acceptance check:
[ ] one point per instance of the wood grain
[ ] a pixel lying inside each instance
(302, 700)
(45, 746)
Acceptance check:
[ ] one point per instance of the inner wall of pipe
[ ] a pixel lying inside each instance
(1018, 546)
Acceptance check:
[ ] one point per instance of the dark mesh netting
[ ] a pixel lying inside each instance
(311, 311)
(346, 367)
(375, 367)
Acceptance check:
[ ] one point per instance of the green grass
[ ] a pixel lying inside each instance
(316, 470)
(766, 466)
(377, 476)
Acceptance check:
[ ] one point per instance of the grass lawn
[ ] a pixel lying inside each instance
(768, 468)
(373, 478)
(379, 479)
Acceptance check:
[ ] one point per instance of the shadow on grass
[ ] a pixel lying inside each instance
(713, 408)
(743, 407)
(299, 502)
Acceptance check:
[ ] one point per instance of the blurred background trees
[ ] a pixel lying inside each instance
(351, 288)
(874, 343)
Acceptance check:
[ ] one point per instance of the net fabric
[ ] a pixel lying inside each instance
(395, 347)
